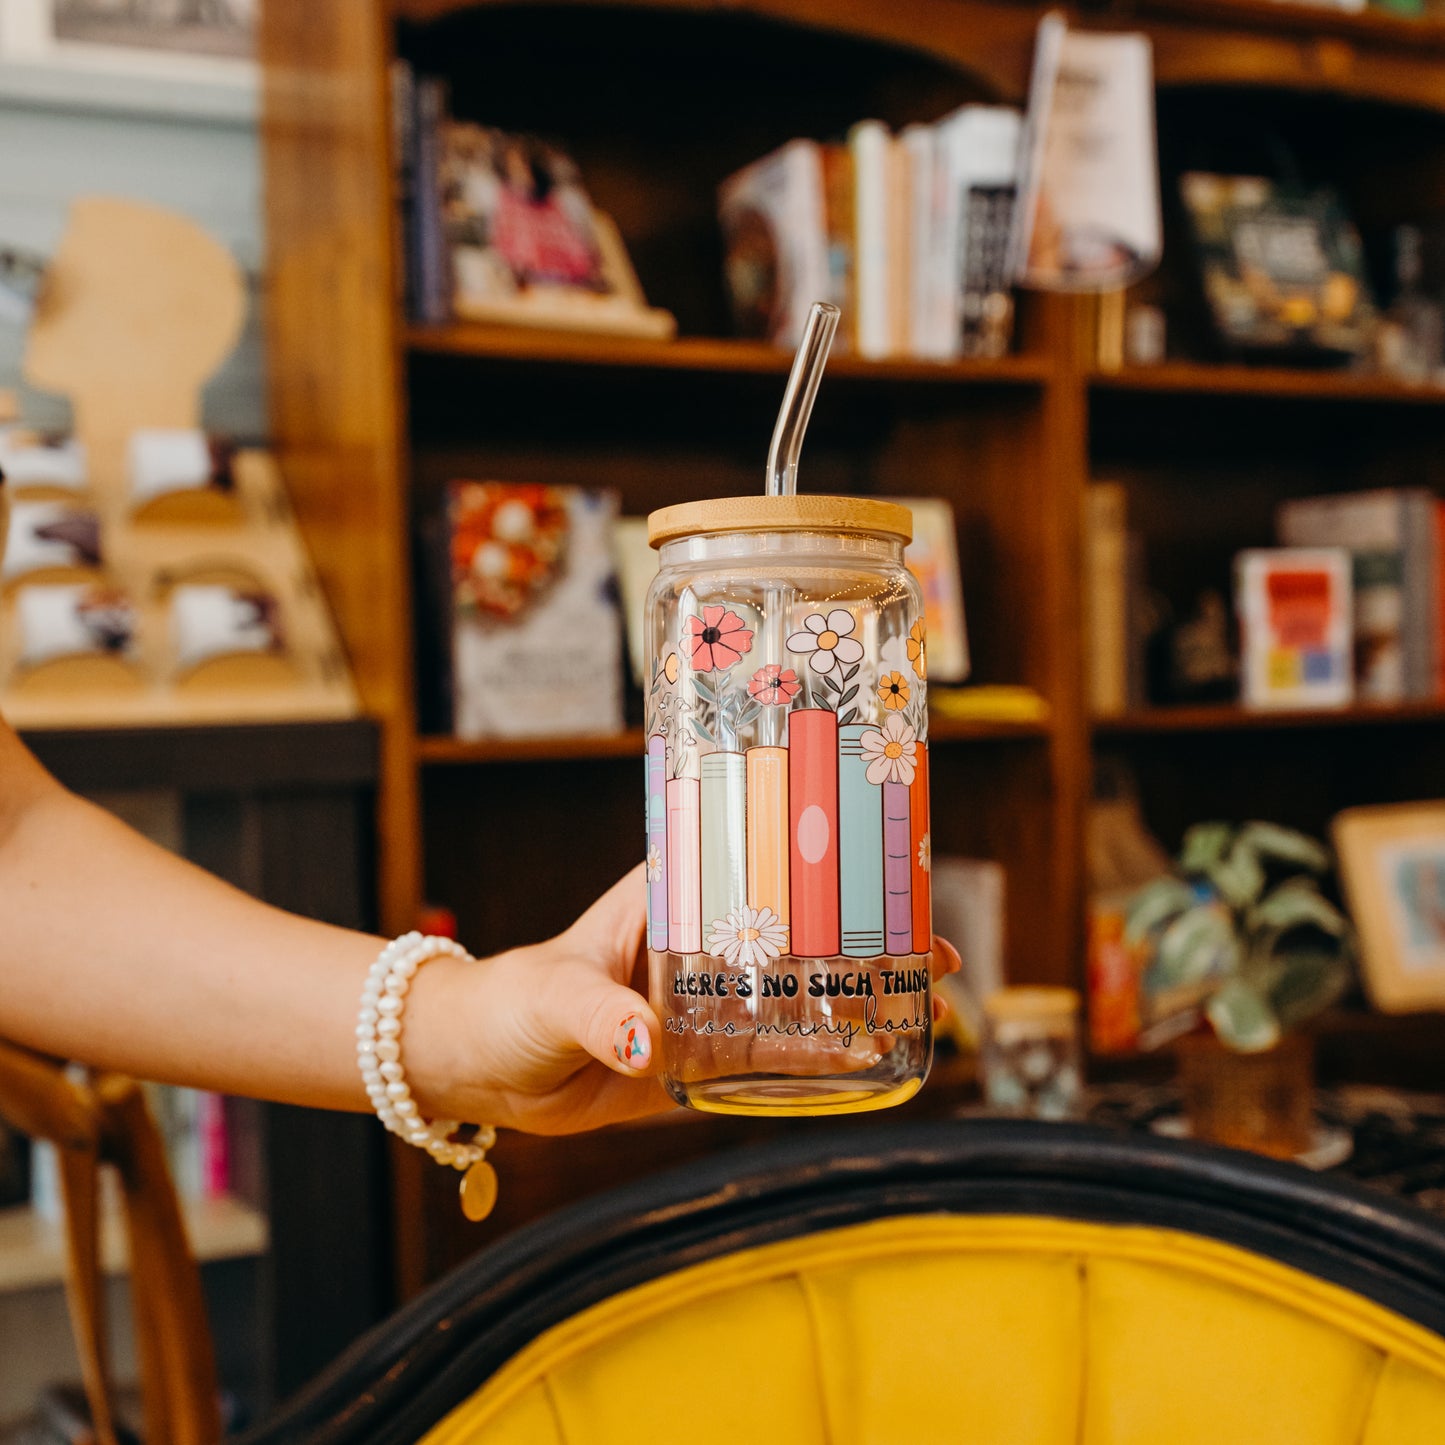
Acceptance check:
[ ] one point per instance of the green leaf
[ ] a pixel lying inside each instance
(1238, 877)
(1284, 845)
(702, 689)
(701, 731)
(1204, 845)
(1295, 903)
(1198, 945)
(850, 716)
(1154, 905)
(1307, 981)
(852, 672)
(1243, 1018)
(849, 695)
(830, 683)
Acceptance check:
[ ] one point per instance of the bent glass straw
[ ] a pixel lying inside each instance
(798, 398)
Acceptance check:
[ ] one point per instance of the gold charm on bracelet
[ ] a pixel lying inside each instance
(479, 1191)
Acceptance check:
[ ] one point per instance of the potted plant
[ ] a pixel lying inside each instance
(1242, 937)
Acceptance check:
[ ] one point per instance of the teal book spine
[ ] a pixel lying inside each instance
(724, 837)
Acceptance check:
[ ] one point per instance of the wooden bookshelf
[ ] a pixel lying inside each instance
(32, 1247)
(1228, 716)
(708, 355)
(372, 415)
(1203, 379)
(443, 751)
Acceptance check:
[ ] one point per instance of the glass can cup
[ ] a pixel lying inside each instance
(788, 849)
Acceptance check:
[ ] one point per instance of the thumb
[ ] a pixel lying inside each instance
(610, 1021)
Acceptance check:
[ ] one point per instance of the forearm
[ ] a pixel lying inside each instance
(118, 954)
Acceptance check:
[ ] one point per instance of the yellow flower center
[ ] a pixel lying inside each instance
(893, 750)
(828, 640)
(749, 935)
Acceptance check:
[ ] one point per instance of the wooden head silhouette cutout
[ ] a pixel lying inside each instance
(138, 308)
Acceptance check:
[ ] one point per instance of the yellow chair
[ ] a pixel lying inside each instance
(1011, 1283)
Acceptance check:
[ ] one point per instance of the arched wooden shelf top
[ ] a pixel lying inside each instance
(1265, 43)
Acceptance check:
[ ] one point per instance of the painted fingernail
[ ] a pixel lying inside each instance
(940, 1009)
(952, 961)
(632, 1043)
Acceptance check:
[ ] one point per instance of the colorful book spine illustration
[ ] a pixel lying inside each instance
(684, 866)
(767, 825)
(897, 869)
(657, 841)
(813, 820)
(920, 846)
(860, 847)
(724, 836)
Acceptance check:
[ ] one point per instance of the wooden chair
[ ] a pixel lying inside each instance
(1028, 1284)
(106, 1121)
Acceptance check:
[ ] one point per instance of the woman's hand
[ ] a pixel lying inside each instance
(553, 1038)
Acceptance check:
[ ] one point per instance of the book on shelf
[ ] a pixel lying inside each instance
(1296, 626)
(907, 234)
(1088, 215)
(1393, 537)
(525, 631)
(782, 247)
(499, 228)
(1106, 609)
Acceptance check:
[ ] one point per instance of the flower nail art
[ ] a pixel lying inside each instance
(828, 640)
(654, 864)
(632, 1043)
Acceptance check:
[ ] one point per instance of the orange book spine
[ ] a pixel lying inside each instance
(767, 812)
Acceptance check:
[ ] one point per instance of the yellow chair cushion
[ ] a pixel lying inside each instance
(1020, 1331)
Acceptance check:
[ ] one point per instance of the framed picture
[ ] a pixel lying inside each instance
(1392, 863)
(182, 56)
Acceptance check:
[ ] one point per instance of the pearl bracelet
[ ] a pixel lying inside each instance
(378, 1053)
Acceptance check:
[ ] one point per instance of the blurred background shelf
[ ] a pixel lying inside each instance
(1225, 716)
(712, 355)
(1206, 379)
(32, 1247)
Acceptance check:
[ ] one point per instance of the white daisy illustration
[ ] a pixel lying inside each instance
(654, 865)
(747, 936)
(890, 751)
(925, 852)
(828, 639)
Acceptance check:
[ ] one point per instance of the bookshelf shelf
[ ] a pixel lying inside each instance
(32, 1247)
(710, 355)
(1203, 379)
(1375, 26)
(1227, 716)
(444, 751)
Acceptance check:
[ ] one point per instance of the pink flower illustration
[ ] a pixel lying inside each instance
(717, 639)
(773, 687)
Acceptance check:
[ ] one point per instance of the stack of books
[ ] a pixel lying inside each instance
(908, 234)
(1368, 627)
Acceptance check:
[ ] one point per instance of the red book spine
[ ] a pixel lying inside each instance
(921, 849)
(813, 828)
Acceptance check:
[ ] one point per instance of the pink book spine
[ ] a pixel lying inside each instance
(684, 866)
(657, 842)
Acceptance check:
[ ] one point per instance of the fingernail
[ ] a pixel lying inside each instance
(632, 1043)
(940, 1009)
(950, 954)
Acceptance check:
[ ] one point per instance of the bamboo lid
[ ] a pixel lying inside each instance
(798, 513)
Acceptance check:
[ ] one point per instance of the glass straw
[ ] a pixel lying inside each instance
(798, 398)
(782, 479)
